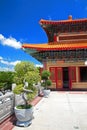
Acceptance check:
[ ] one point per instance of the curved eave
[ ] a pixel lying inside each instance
(51, 22)
(58, 46)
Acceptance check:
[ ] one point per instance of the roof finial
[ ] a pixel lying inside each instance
(70, 17)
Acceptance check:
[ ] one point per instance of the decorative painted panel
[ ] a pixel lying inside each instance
(59, 77)
(53, 77)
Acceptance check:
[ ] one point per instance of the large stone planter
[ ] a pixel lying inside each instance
(24, 116)
(46, 92)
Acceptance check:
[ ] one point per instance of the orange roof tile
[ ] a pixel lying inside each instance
(56, 46)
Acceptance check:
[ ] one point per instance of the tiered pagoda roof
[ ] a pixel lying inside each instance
(68, 21)
(56, 46)
(62, 35)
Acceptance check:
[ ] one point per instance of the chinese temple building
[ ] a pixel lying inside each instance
(65, 54)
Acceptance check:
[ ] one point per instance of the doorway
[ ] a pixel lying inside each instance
(65, 78)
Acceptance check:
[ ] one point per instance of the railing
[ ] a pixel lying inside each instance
(6, 106)
(9, 101)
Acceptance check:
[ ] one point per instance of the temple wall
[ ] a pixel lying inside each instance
(53, 86)
(75, 85)
(79, 85)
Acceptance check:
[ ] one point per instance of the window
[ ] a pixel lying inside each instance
(83, 74)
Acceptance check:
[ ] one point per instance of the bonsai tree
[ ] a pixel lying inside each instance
(26, 74)
(45, 77)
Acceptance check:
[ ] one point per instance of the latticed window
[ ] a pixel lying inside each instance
(71, 54)
(59, 54)
(48, 53)
(85, 53)
(68, 53)
(56, 54)
(80, 27)
(80, 54)
(63, 54)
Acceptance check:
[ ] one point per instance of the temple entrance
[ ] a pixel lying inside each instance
(65, 78)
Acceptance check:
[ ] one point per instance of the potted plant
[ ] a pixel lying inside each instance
(25, 71)
(46, 82)
(24, 112)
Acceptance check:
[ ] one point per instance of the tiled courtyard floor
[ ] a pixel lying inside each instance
(61, 111)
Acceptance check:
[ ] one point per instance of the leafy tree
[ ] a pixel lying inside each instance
(6, 79)
(26, 72)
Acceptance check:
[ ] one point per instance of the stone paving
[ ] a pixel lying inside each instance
(60, 111)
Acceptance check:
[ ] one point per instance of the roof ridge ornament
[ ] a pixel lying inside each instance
(70, 17)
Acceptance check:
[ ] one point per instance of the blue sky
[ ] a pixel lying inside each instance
(19, 23)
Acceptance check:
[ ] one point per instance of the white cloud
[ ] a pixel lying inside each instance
(1, 57)
(6, 69)
(39, 65)
(12, 42)
(7, 66)
(10, 63)
(6, 62)
(15, 62)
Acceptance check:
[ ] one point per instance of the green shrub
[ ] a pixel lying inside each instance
(45, 77)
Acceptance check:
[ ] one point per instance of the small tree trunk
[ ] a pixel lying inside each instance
(23, 96)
